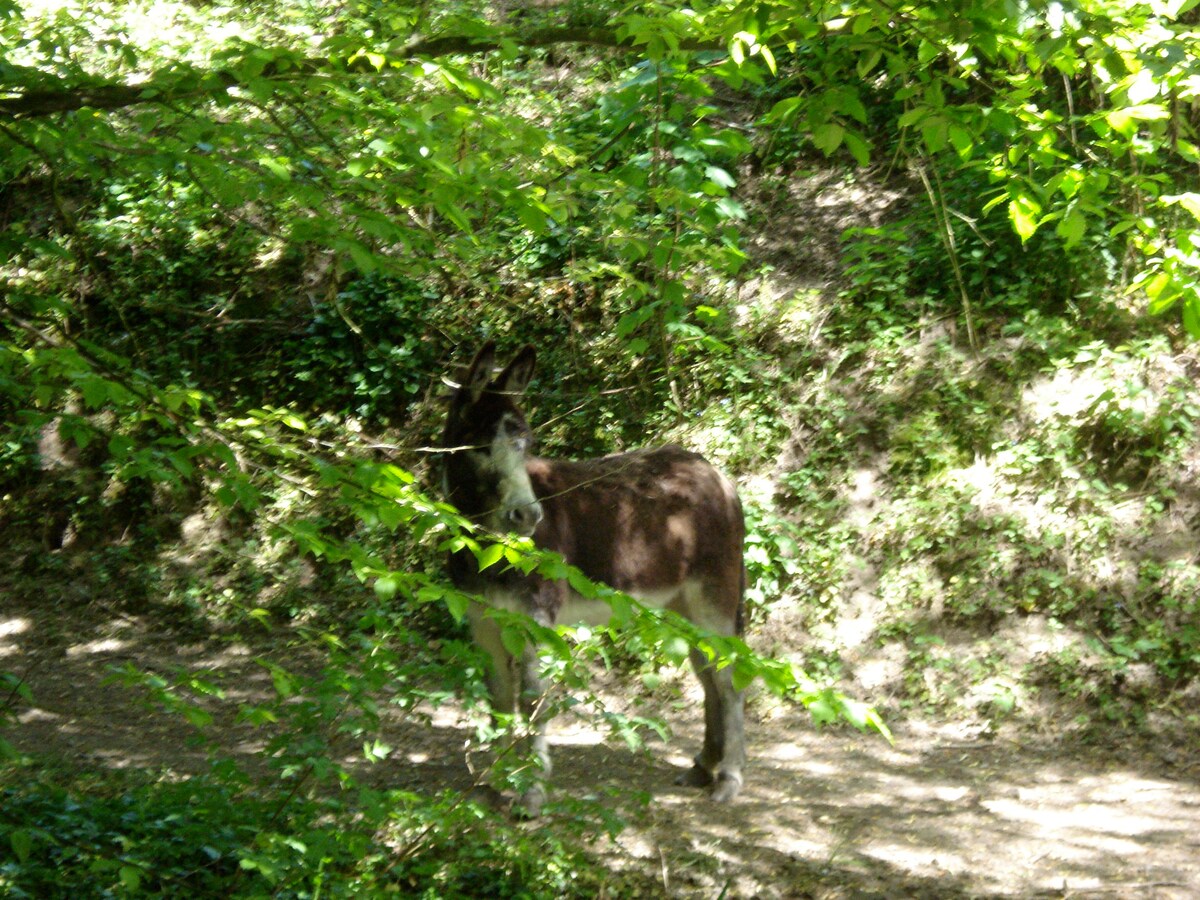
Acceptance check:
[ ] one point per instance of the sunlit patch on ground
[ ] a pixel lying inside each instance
(941, 814)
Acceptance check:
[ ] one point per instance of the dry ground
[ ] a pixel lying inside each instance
(824, 814)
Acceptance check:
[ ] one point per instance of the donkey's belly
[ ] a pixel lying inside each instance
(584, 611)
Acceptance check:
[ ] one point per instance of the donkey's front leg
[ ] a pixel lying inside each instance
(532, 699)
(514, 684)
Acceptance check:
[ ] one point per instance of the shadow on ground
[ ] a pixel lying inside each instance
(824, 814)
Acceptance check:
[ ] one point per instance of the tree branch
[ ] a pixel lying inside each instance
(169, 87)
(539, 37)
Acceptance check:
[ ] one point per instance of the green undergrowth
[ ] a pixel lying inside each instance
(212, 837)
(1012, 527)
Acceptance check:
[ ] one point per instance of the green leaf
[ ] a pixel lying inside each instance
(1186, 149)
(961, 140)
(131, 878)
(737, 50)
(386, 586)
(634, 319)
(456, 215)
(822, 711)
(120, 446)
(200, 718)
(364, 259)
(533, 217)
(622, 610)
(858, 147)
(743, 674)
(768, 57)
(1072, 227)
(720, 177)
(828, 137)
(580, 583)
(675, 649)
(472, 87)
(784, 110)
(21, 842)
(457, 604)
(847, 102)
(1124, 119)
(1023, 212)
(1191, 315)
(868, 61)
(936, 133)
(731, 209)
(285, 685)
(278, 166)
(95, 391)
(855, 713)
(490, 555)
(1156, 289)
(256, 715)
(513, 639)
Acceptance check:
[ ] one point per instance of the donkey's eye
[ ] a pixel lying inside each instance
(514, 435)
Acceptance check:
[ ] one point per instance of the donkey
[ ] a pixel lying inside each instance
(661, 525)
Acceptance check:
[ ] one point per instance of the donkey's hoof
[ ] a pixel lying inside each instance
(727, 787)
(696, 776)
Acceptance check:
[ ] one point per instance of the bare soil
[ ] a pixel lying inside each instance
(828, 814)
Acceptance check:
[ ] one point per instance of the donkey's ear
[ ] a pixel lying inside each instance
(515, 378)
(479, 375)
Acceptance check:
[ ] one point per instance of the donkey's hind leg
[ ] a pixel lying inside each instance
(705, 763)
(723, 754)
(732, 739)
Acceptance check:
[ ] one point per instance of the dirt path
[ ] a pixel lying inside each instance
(829, 814)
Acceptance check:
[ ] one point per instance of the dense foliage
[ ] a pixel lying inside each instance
(239, 245)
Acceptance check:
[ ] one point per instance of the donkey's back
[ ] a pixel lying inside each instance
(662, 525)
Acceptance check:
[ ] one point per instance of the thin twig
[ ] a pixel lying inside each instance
(937, 201)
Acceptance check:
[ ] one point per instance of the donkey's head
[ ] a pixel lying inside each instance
(487, 439)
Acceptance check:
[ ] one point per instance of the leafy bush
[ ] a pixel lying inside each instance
(205, 837)
(367, 353)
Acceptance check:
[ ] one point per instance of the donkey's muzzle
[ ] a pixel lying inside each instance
(524, 519)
